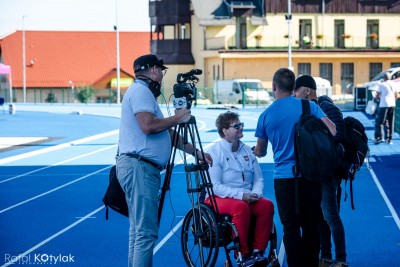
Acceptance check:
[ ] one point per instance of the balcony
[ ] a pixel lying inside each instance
(173, 51)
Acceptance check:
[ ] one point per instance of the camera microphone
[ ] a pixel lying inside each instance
(196, 72)
(179, 99)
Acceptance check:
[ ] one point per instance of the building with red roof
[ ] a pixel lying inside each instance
(58, 61)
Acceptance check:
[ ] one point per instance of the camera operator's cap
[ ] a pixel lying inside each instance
(306, 81)
(146, 62)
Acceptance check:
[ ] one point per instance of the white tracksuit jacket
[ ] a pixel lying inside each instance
(232, 175)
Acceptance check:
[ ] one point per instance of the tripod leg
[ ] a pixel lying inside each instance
(168, 174)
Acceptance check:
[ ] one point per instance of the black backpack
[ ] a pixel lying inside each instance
(115, 196)
(315, 148)
(355, 143)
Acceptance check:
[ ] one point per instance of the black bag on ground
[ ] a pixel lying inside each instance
(315, 148)
(355, 143)
(115, 196)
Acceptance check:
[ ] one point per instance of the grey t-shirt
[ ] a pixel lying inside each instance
(154, 147)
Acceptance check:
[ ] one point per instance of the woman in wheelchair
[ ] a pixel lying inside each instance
(238, 187)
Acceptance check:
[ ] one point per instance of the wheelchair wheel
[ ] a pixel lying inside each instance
(199, 236)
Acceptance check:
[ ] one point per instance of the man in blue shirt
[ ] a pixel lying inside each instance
(276, 125)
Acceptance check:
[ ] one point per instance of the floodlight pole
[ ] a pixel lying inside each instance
(289, 18)
(117, 45)
(23, 58)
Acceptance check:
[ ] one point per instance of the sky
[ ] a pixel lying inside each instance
(74, 15)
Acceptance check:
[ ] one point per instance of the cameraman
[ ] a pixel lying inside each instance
(144, 149)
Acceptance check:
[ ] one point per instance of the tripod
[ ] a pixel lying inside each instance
(200, 236)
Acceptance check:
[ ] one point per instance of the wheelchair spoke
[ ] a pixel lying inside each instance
(199, 237)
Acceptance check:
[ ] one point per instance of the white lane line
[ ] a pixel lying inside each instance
(168, 236)
(16, 259)
(53, 190)
(57, 147)
(58, 163)
(281, 255)
(385, 198)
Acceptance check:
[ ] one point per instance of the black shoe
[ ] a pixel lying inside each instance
(378, 141)
(247, 261)
(259, 259)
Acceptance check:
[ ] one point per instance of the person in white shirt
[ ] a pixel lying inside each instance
(387, 96)
(238, 187)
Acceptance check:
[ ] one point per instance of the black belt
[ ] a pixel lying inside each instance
(138, 157)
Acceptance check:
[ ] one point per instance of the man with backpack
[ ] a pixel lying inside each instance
(330, 222)
(298, 199)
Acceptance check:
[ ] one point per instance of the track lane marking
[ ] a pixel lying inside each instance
(385, 198)
(57, 147)
(54, 189)
(16, 259)
(56, 164)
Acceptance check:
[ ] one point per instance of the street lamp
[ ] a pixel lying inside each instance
(117, 46)
(289, 18)
(71, 83)
(23, 58)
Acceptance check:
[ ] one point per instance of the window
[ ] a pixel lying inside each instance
(374, 69)
(347, 77)
(216, 73)
(304, 68)
(305, 30)
(339, 33)
(373, 33)
(395, 64)
(325, 71)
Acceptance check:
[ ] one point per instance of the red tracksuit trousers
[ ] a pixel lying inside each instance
(262, 211)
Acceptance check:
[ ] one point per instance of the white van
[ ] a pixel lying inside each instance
(324, 87)
(233, 91)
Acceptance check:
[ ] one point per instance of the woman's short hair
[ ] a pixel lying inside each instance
(224, 121)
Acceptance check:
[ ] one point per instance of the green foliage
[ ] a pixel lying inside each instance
(50, 98)
(85, 93)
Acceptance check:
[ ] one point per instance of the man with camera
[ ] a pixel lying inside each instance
(144, 149)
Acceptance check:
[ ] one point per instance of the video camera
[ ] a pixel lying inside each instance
(185, 89)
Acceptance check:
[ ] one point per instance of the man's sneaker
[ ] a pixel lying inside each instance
(247, 261)
(325, 262)
(339, 264)
(378, 141)
(390, 142)
(259, 259)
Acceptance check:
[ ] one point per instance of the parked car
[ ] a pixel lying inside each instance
(394, 74)
(233, 91)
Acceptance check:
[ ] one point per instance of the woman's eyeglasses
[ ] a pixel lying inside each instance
(238, 125)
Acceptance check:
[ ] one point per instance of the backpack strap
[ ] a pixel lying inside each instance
(305, 107)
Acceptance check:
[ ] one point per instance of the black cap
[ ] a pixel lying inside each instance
(306, 81)
(146, 62)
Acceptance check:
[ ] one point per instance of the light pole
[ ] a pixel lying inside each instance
(71, 83)
(23, 58)
(289, 18)
(117, 46)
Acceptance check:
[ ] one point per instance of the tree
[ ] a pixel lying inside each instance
(85, 93)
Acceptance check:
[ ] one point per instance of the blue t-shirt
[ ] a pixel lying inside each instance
(154, 147)
(276, 124)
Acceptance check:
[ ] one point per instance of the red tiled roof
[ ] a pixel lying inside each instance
(54, 58)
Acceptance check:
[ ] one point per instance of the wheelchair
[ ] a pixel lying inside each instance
(203, 233)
